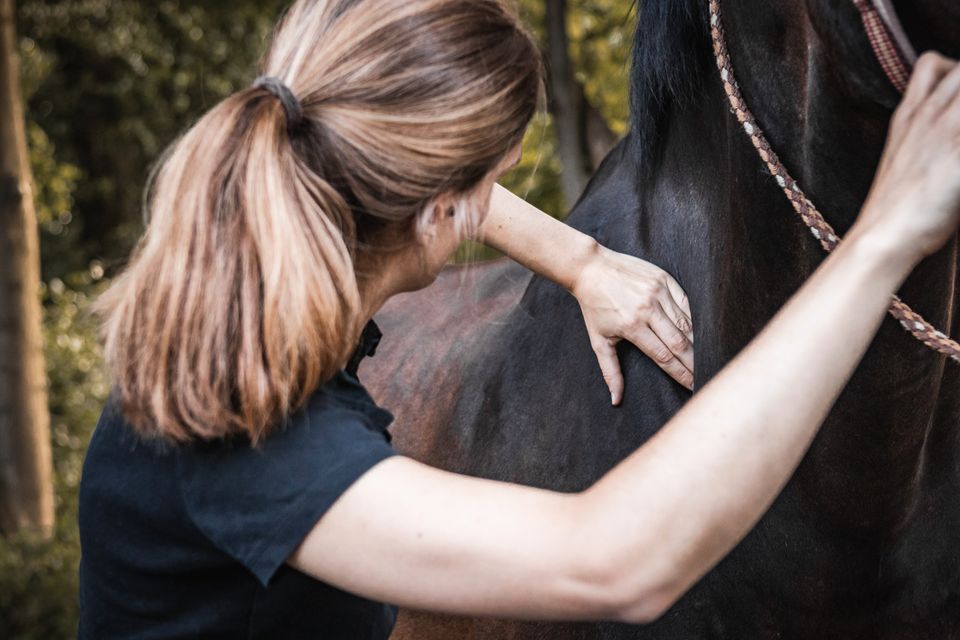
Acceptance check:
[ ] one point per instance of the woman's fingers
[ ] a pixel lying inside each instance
(945, 91)
(651, 344)
(673, 338)
(657, 340)
(623, 297)
(929, 71)
(952, 115)
(661, 340)
(678, 294)
(606, 351)
(677, 317)
(913, 204)
(677, 308)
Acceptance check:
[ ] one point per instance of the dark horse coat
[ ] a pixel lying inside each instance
(491, 373)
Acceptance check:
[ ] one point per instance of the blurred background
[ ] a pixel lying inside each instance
(91, 92)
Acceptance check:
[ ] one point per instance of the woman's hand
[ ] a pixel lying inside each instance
(913, 203)
(629, 546)
(623, 297)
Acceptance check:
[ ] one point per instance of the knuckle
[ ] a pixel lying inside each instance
(646, 292)
(929, 65)
(901, 116)
(678, 342)
(929, 61)
(662, 355)
(921, 115)
(644, 306)
(926, 111)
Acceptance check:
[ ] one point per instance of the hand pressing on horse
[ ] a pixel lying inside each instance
(623, 297)
(913, 201)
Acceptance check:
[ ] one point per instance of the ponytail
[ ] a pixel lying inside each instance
(242, 297)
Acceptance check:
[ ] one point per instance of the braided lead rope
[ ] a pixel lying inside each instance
(819, 227)
(895, 62)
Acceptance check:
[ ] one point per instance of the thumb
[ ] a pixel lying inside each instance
(610, 368)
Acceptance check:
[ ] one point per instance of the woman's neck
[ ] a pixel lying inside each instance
(382, 277)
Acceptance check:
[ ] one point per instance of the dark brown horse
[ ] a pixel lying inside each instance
(491, 372)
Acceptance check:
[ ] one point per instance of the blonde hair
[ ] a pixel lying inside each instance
(242, 297)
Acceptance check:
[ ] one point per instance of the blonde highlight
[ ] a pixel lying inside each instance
(242, 297)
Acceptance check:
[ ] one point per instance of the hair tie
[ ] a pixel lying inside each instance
(291, 106)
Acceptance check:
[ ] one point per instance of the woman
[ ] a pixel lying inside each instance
(241, 484)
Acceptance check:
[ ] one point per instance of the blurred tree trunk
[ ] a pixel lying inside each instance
(26, 489)
(583, 136)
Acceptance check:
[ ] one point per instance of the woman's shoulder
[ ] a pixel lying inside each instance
(258, 502)
(340, 411)
(344, 394)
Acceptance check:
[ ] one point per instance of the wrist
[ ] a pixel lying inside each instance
(882, 251)
(584, 252)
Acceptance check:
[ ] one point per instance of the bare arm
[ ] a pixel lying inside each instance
(426, 539)
(622, 297)
(536, 240)
(629, 546)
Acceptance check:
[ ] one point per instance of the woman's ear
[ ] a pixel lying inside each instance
(435, 219)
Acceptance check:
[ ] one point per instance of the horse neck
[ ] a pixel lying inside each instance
(827, 129)
(821, 98)
(825, 108)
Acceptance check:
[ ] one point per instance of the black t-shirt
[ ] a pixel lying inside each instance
(190, 541)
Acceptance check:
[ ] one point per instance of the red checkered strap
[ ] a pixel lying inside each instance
(890, 43)
(808, 212)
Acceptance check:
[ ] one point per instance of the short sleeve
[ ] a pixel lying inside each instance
(257, 505)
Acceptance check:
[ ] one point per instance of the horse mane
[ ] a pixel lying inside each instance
(670, 53)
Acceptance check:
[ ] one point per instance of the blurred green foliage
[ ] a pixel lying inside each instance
(600, 33)
(38, 576)
(109, 84)
(600, 39)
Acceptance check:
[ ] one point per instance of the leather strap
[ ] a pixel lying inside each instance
(890, 43)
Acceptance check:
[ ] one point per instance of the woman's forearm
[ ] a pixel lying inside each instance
(539, 242)
(709, 475)
(630, 545)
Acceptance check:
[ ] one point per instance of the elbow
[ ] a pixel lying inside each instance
(629, 574)
(635, 600)
(628, 589)
(645, 610)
